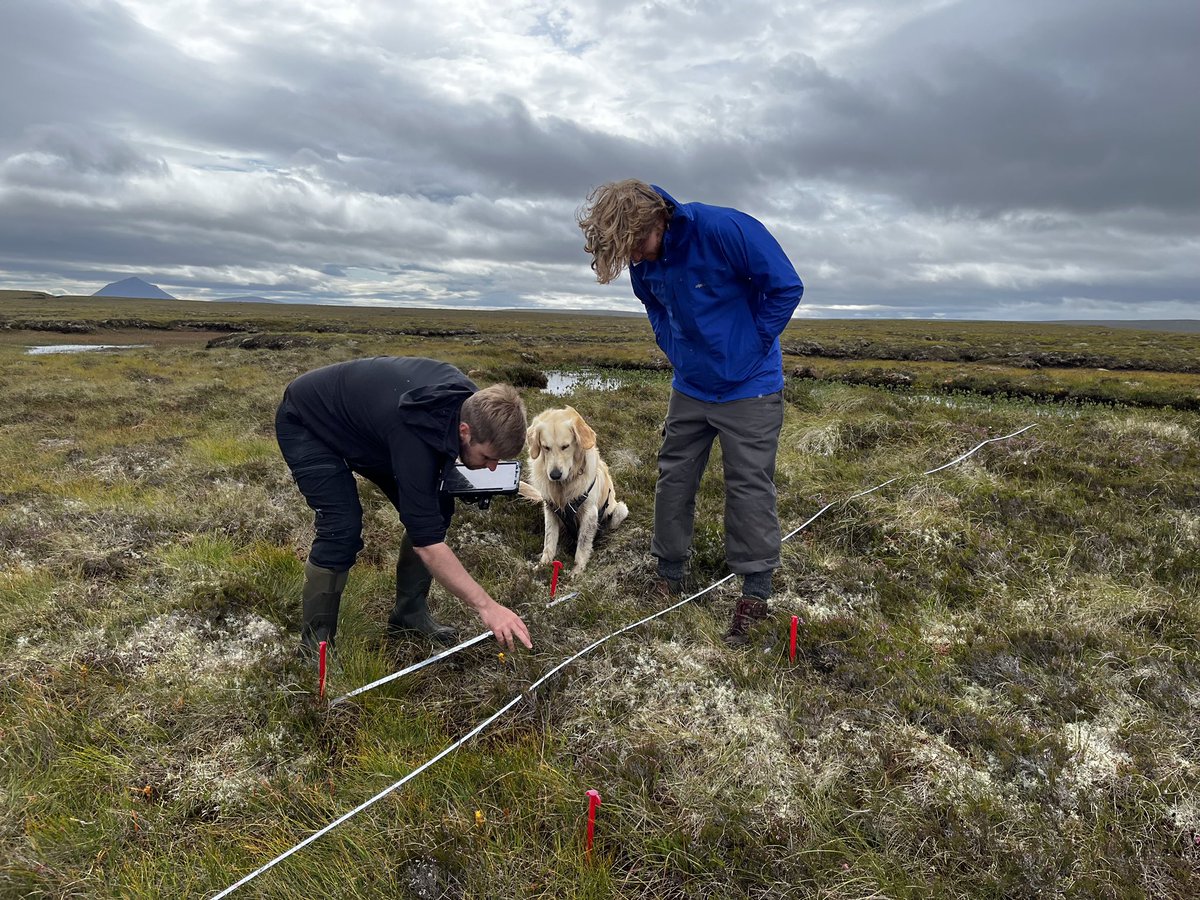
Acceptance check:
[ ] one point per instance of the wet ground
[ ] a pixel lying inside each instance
(560, 383)
(133, 337)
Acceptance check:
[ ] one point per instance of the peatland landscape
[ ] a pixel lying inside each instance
(996, 691)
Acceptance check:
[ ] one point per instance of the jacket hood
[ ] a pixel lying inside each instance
(677, 208)
(679, 214)
(432, 412)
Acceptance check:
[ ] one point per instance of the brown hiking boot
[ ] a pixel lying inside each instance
(665, 590)
(748, 611)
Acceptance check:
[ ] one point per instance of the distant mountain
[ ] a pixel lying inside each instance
(251, 299)
(602, 312)
(1185, 325)
(135, 288)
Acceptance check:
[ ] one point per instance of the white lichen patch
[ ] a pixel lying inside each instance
(220, 778)
(940, 635)
(181, 645)
(828, 602)
(930, 769)
(31, 519)
(840, 748)
(1096, 755)
(1185, 813)
(56, 444)
(220, 773)
(15, 567)
(726, 745)
(1188, 524)
(1030, 603)
(993, 704)
(465, 533)
(827, 605)
(939, 769)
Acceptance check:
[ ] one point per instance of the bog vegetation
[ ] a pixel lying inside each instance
(996, 694)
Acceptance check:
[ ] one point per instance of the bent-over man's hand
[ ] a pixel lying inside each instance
(443, 565)
(505, 625)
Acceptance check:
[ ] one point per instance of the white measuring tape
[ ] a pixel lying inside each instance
(470, 642)
(953, 462)
(562, 665)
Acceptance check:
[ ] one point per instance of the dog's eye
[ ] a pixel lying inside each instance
(565, 446)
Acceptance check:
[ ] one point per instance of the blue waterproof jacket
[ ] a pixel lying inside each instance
(718, 297)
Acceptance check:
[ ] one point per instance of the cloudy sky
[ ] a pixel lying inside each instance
(1025, 159)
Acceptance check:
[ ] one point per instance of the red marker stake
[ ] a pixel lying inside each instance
(792, 650)
(321, 670)
(554, 578)
(593, 801)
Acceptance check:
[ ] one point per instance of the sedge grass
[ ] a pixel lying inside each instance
(997, 691)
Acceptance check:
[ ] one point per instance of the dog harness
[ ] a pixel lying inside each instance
(569, 515)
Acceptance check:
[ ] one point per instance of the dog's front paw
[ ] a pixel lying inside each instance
(546, 559)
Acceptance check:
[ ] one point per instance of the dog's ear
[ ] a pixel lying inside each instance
(583, 431)
(534, 442)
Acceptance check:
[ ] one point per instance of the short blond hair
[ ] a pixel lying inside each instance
(617, 217)
(496, 416)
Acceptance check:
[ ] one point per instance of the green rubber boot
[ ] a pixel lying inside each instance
(322, 595)
(411, 612)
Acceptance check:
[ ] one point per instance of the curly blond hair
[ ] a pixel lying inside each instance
(617, 217)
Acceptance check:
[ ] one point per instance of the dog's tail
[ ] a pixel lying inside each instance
(616, 516)
(529, 492)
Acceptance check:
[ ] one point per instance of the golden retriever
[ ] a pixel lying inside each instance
(571, 481)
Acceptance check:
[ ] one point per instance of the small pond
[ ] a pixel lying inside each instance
(561, 383)
(78, 348)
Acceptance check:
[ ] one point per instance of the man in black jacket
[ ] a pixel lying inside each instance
(399, 422)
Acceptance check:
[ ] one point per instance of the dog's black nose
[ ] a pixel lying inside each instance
(555, 474)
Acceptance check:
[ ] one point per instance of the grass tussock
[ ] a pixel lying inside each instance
(996, 691)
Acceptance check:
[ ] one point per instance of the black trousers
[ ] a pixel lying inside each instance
(328, 485)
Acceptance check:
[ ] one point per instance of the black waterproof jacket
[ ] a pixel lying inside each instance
(397, 414)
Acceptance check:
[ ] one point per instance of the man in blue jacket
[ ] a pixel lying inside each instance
(718, 290)
(399, 422)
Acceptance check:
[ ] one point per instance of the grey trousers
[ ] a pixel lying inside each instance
(749, 434)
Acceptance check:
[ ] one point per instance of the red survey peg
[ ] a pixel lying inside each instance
(792, 649)
(554, 578)
(321, 669)
(593, 801)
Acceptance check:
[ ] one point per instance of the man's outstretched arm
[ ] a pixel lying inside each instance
(446, 568)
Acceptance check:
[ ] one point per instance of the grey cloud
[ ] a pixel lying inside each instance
(289, 106)
(85, 63)
(1092, 109)
(67, 151)
(975, 117)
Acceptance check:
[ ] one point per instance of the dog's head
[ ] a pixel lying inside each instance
(564, 438)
